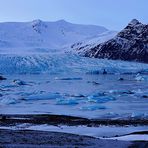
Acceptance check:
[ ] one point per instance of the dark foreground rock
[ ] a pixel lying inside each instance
(35, 139)
(10, 120)
(40, 139)
(131, 44)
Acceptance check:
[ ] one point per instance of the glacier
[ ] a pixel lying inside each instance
(64, 62)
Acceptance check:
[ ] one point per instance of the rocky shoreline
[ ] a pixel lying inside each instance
(27, 138)
(51, 119)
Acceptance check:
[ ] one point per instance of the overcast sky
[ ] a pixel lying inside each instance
(113, 14)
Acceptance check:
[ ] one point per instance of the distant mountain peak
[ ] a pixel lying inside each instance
(62, 21)
(38, 25)
(134, 22)
(37, 22)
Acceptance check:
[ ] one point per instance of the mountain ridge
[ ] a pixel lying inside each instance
(40, 33)
(130, 44)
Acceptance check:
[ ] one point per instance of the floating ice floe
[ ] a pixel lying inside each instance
(118, 92)
(92, 108)
(56, 78)
(102, 99)
(99, 98)
(138, 115)
(95, 95)
(45, 96)
(140, 78)
(19, 82)
(8, 86)
(66, 102)
(7, 101)
(75, 95)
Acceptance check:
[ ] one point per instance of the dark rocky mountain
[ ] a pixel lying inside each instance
(131, 44)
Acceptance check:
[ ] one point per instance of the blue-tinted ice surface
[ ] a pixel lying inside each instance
(65, 101)
(44, 94)
(92, 108)
(75, 86)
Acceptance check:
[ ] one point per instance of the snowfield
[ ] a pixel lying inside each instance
(45, 34)
(107, 132)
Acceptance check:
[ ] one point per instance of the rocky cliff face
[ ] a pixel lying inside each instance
(130, 44)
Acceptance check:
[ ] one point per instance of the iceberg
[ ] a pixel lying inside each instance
(92, 108)
(140, 78)
(102, 99)
(45, 96)
(8, 100)
(66, 102)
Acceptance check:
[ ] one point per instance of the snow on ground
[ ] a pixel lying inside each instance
(103, 132)
(82, 46)
(131, 138)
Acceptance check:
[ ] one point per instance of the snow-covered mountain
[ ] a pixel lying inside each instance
(33, 48)
(83, 46)
(49, 35)
(130, 44)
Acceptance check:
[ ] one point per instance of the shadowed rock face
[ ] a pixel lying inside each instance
(131, 44)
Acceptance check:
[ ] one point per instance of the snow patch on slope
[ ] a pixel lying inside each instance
(83, 46)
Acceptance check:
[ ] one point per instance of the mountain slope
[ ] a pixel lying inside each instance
(130, 44)
(83, 46)
(44, 34)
